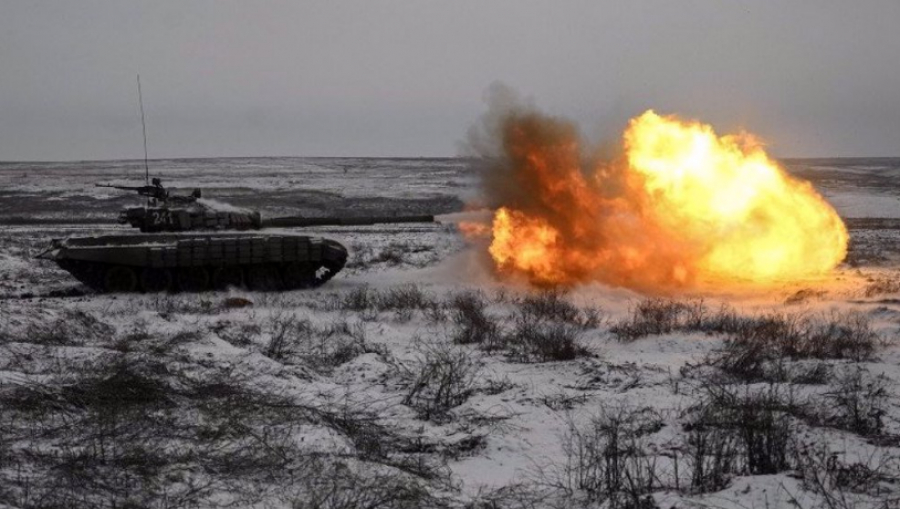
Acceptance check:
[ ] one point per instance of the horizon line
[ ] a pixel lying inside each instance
(141, 160)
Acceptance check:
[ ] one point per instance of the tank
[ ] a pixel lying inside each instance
(194, 245)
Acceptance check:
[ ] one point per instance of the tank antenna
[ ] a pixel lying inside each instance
(144, 129)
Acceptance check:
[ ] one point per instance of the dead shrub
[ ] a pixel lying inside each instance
(869, 482)
(472, 323)
(775, 347)
(404, 301)
(538, 337)
(286, 334)
(648, 317)
(296, 340)
(167, 305)
(161, 345)
(840, 336)
(536, 341)
(606, 461)
(805, 372)
(882, 286)
(857, 403)
(391, 255)
(130, 383)
(72, 327)
(519, 495)
(712, 456)
(753, 354)
(408, 296)
(663, 316)
(340, 342)
(548, 328)
(832, 336)
(342, 485)
(742, 430)
(551, 305)
(240, 334)
(444, 378)
(359, 299)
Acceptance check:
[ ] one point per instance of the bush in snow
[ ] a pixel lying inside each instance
(471, 321)
(663, 316)
(606, 461)
(551, 305)
(403, 300)
(546, 328)
(293, 340)
(760, 348)
(443, 378)
(544, 341)
(348, 485)
(739, 430)
(869, 482)
(858, 402)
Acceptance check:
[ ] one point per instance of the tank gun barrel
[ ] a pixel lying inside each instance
(155, 191)
(296, 222)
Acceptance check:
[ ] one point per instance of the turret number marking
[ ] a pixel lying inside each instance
(159, 217)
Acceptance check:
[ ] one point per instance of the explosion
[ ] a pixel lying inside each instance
(681, 207)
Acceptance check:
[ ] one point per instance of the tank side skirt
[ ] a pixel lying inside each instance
(297, 261)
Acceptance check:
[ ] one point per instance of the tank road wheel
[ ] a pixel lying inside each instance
(156, 280)
(263, 278)
(192, 279)
(230, 275)
(120, 279)
(297, 275)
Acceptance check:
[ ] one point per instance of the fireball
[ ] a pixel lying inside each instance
(683, 207)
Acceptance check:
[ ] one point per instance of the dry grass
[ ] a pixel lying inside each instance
(142, 425)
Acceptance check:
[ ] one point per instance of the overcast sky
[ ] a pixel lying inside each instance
(387, 78)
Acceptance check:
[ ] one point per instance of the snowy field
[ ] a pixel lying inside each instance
(416, 379)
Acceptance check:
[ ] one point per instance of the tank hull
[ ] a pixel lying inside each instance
(199, 261)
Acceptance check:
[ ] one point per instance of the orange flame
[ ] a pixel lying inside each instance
(683, 208)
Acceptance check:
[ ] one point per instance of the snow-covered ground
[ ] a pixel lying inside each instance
(416, 378)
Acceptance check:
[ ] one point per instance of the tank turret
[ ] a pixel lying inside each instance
(177, 250)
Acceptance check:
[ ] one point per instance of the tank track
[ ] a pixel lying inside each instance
(270, 276)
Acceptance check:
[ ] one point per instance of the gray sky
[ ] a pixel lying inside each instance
(388, 78)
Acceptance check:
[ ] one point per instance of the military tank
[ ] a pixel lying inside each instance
(193, 245)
